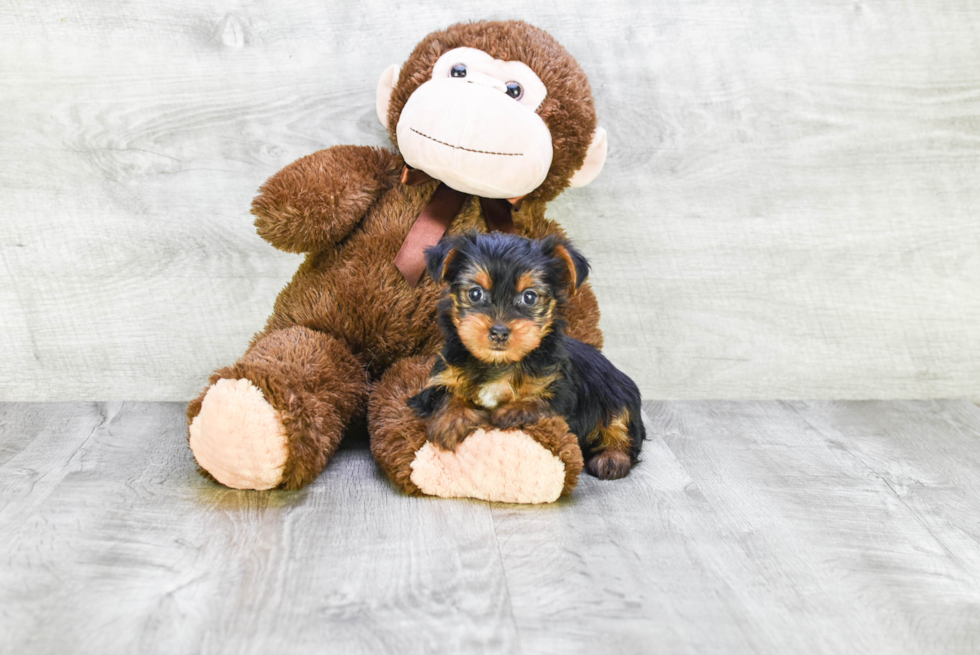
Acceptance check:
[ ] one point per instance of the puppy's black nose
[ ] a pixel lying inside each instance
(499, 333)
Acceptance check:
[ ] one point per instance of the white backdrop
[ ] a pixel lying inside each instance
(790, 207)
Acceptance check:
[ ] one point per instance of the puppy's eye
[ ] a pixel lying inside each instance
(515, 90)
(459, 70)
(475, 294)
(529, 298)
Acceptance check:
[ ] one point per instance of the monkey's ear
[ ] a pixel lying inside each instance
(595, 158)
(438, 258)
(387, 82)
(576, 266)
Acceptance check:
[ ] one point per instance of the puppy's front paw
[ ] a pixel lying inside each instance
(450, 426)
(511, 416)
(609, 465)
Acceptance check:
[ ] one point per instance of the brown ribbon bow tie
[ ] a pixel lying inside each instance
(438, 215)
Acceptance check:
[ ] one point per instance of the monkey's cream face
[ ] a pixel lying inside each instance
(474, 126)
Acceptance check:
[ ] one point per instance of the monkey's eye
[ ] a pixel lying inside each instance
(529, 298)
(459, 70)
(515, 90)
(475, 294)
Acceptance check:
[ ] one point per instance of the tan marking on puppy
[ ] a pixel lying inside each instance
(454, 310)
(482, 277)
(562, 253)
(614, 436)
(547, 318)
(534, 387)
(618, 433)
(525, 336)
(451, 378)
(445, 264)
(526, 281)
(474, 332)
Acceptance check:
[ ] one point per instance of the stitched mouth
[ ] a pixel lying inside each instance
(482, 152)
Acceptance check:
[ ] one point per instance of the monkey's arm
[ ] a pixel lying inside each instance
(316, 201)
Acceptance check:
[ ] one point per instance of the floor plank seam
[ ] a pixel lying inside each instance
(503, 573)
(841, 438)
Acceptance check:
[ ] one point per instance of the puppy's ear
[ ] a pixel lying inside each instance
(576, 266)
(439, 257)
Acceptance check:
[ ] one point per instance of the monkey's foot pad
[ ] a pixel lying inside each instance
(504, 466)
(238, 437)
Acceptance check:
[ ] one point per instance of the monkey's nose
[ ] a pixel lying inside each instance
(476, 77)
(499, 333)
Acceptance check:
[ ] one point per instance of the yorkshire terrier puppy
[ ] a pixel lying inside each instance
(507, 363)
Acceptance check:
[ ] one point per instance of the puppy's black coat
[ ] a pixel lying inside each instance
(506, 361)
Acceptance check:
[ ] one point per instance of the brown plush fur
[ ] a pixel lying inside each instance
(552, 432)
(396, 430)
(348, 316)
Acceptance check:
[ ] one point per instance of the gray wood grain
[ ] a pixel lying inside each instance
(749, 527)
(832, 557)
(788, 209)
(112, 543)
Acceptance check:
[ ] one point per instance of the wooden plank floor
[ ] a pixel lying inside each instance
(763, 527)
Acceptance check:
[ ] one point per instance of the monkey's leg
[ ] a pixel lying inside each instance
(276, 417)
(536, 464)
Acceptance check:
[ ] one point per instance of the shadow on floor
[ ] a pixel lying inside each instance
(356, 436)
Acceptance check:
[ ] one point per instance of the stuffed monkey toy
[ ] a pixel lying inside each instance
(491, 121)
